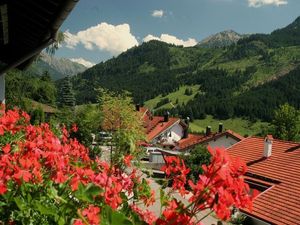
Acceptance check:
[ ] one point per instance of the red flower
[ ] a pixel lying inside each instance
(176, 170)
(92, 214)
(145, 215)
(60, 177)
(40, 156)
(78, 222)
(22, 174)
(127, 160)
(3, 188)
(174, 214)
(74, 128)
(6, 148)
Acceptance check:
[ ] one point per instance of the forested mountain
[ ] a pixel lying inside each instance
(21, 85)
(237, 80)
(287, 36)
(58, 68)
(222, 39)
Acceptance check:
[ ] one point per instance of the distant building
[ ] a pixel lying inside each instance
(172, 133)
(274, 170)
(47, 109)
(224, 139)
(169, 136)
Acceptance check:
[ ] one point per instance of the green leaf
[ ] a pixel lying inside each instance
(20, 203)
(53, 193)
(45, 209)
(87, 193)
(163, 198)
(110, 217)
(61, 221)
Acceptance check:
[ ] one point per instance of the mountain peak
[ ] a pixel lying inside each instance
(297, 20)
(221, 39)
(57, 67)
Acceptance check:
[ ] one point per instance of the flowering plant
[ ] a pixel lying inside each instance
(46, 179)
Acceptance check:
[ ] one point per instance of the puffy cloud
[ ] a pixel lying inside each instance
(171, 40)
(71, 40)
(158, 13)
(83, 61)
(259, 3)
(104, 36)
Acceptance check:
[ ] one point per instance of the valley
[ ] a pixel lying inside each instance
(239, 79)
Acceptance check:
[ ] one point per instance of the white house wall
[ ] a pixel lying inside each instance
(156, 158)
(224, 141)
(174, 133)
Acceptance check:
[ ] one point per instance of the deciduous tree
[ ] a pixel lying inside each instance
(123, 121)
(286, 122)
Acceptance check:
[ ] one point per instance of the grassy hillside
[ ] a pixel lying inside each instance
(175, 98)
(234, 80)
(241, 126)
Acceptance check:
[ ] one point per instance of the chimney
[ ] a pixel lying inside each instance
(208, 130)
(166, 116)
(186, 129)
(151, 114)
(220, 127)
(268, 146)
(187, 121)
(137, 107)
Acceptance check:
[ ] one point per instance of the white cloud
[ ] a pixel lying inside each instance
(158, 13)
(104, 36)
(171, 40)
(259, 3)
(83, 61)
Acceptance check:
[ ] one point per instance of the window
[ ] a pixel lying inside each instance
(256, 185)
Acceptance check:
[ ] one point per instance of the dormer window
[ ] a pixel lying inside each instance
(257, 185)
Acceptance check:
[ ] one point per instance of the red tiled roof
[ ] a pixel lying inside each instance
(280, 203)
(191, 140)
(234, 135)
(143, 111)
(194, 139)
(156, 126)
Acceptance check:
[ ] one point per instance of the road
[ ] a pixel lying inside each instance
(209, 220)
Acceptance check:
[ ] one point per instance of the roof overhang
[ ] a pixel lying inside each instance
(166, 129)
(27, 27)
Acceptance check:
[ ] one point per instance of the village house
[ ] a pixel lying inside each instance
(273, 170)
(170, 136)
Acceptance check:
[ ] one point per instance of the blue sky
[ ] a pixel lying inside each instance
(100, 29)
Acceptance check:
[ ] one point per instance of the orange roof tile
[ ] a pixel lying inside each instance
(194, 139)
(157, 125)
(280, 203)
(234, 135)
(143, 110)
(191, 140)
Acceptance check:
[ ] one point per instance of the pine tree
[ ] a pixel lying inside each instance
(67, 97)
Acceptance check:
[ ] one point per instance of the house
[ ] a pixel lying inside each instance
(47, 109)
(26, 28)
(169, 136)
(273, 169)
(172, 133)
(221, 138)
